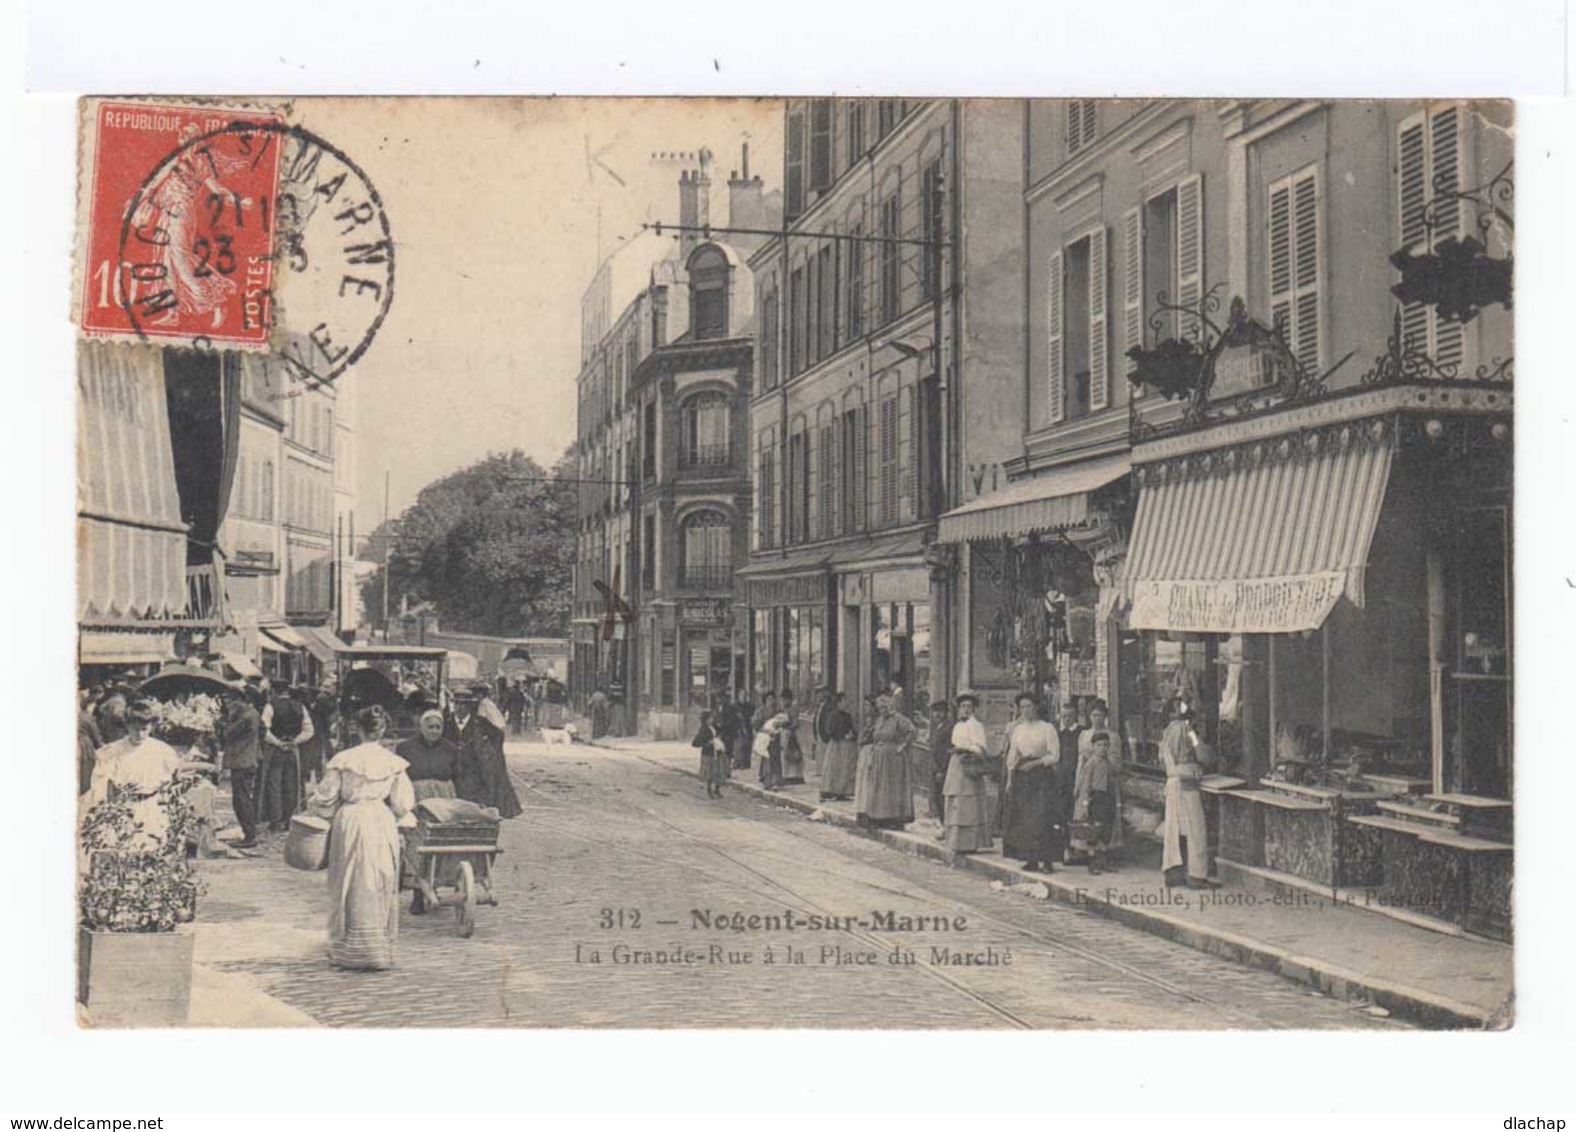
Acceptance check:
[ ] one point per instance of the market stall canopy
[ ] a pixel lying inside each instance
(1261, 540)
(1053, 500)
(175, 678)
(463, 666)
(107, 647)
(131, 542)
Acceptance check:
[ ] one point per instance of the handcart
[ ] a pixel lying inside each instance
(450, 865)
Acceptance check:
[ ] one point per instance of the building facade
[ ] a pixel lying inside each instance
(667, 343)
(1252, 474)
(254, 533)
(689, 398)
(892, 291)
(289, 524)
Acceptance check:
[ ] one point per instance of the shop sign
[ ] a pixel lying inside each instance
(1258, 605)
(255, 559)
(811, 590)
(713, 613)
(900, 585)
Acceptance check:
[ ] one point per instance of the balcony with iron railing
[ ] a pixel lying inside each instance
(707, 577)
(705, 461)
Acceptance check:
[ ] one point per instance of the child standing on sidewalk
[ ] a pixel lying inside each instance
(1094, 801)
(713, 756)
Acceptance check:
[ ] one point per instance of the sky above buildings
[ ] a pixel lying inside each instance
(501, 210)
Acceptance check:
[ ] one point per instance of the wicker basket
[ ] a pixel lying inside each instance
(306, 846)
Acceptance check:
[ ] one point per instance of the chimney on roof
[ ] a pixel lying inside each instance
(694, 202)
(746, 208)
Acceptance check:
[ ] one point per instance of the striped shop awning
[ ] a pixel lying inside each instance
(1053, 500)
(1234, 544)
(131, 540)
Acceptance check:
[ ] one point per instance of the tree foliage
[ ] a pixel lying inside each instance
(490, 546)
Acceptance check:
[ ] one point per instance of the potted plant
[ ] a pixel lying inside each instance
(134, 957)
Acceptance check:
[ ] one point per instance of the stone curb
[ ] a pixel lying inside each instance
(1422, 1007)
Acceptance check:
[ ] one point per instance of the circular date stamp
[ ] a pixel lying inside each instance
(261, 235)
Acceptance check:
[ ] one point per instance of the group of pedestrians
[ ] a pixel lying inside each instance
(1051, 791)
(274, 742)
(867, 760)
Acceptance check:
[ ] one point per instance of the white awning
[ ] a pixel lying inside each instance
(1053, 500)
(1255, 546)
(96, 646)
(243, 665)
(284, 635)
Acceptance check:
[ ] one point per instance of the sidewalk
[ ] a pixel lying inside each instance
(1436, 980)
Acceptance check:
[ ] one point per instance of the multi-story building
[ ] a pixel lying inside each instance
(289, 523)
(613, 310)
(1249, 473)
(663, 501)
(347, 613)
(891, 292)
(253, 534)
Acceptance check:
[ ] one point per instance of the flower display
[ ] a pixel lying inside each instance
(134, 882)
(199, 714)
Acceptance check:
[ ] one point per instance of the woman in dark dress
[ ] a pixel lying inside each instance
(841, 759)
(1033, 817)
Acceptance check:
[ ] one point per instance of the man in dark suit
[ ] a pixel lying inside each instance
(483, 775)
(242, 740)
(286, 726)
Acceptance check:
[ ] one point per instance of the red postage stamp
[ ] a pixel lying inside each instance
(181, 207)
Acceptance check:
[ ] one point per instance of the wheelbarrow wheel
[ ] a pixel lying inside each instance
(465, 908)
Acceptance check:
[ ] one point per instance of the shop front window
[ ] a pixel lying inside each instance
(1478, 718)
(1155, 668)
(761, 646)
(900, 653)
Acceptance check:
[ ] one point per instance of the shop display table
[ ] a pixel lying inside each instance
(1301, 831)
(1448, 857)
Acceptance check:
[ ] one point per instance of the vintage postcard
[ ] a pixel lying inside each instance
(889, 563)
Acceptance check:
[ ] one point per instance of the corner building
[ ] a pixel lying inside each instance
(1250, 473)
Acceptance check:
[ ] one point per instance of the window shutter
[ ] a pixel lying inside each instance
(820, 143)
(793, 166)
(1074, 120)
(829, 477)
(1132, 285)
(1190, 252)
(1056, 361)
(1306, 270)
(1445, 178)
(812, 475)
(906, 463)
(1099, 338)
(888, 442)
(860, 471)
(1411, 196)
(1280, 261)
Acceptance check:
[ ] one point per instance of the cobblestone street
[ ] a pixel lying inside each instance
(620, 859)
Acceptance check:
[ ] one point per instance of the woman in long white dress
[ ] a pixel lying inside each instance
(967, 798)
(371, 798)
